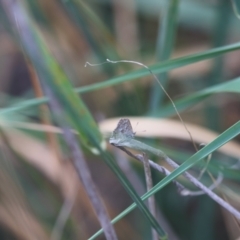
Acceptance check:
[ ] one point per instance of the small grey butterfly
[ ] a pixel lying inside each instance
(122, 132)
(124, 126)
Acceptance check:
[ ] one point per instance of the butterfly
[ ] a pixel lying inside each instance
(122, 131)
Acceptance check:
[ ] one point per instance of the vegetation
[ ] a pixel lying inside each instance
(70, 70)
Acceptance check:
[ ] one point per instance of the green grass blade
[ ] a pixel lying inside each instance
(222, 139)
(161, 67)
(186, 102)
(165, 43)
(219, 38)
(108, 159)
(226, 136)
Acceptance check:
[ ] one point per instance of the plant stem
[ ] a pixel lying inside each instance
(149, 183)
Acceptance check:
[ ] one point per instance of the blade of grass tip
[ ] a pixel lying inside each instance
(24, 105)
(165, 44)
(77, 115)
(231, 86)
(156, 68)
(226, 136)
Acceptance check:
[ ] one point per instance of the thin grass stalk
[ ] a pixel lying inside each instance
(83, 170)
(165, 44)
(149, 183)
(219, 38)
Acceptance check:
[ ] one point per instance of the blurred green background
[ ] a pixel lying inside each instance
(36, 173)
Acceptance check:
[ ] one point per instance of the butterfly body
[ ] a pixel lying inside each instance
(122, 132)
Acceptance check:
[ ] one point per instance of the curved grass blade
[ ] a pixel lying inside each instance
(186, 102)
(226, 136)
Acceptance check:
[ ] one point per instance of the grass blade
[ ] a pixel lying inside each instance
(182, 104)
(219, 38)
(165, 43)
(161, 67)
